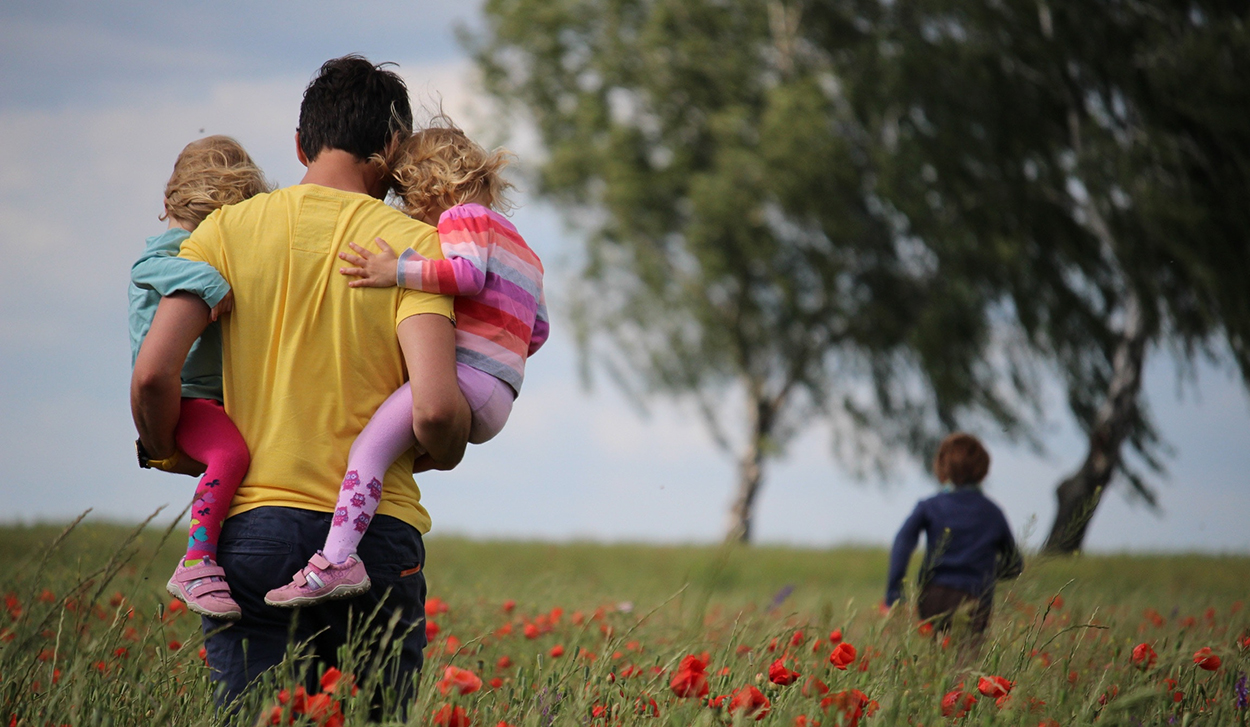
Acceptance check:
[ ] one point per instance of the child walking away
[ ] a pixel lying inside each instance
(447, 180)
(209, 173)
(968, 543)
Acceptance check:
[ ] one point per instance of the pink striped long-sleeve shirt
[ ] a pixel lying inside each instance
(501, 313)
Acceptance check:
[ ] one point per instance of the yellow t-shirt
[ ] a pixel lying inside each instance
(306, 359)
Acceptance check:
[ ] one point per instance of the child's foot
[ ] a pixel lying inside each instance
(204, 589)
(321, 580)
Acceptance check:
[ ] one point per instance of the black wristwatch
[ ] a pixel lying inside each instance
(142, 453)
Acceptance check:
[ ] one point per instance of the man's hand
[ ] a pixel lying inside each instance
(375, 269)
(156, 385)
(224, 306)
(440, 414)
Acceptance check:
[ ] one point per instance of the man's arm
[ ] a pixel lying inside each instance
(440, 414)
(156, 385)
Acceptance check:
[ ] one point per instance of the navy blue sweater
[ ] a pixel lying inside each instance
(968, 544)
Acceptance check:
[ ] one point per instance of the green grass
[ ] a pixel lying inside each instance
(85, 636)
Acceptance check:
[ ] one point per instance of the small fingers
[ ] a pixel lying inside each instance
(364, 253)
(354, 260)
(383, 246)
(358, 272)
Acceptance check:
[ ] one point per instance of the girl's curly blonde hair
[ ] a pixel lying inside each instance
(440, 167)
(210, 173)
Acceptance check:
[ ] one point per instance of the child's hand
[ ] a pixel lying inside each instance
(375, 269)
(224, 306)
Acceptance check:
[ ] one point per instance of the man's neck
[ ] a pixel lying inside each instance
(341, 170)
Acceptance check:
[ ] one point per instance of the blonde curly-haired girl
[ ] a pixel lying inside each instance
(209, 173)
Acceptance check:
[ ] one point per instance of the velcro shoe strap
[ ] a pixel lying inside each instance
(205, 587)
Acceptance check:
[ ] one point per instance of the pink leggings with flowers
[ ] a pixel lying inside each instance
(388, 435)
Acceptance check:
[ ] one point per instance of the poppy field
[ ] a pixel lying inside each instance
(533, 634)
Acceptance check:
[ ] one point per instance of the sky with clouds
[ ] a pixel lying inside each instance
(96, 100)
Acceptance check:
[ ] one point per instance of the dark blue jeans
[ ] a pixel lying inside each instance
(261, 549)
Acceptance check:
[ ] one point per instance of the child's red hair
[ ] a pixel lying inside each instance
(961, 460)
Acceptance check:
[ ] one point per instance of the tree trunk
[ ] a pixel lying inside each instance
(750, 470)
(1080, 493)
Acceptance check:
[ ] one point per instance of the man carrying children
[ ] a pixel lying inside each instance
(306, 362)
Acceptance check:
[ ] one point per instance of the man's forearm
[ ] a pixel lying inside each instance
(156, 385)
(155, 404)
(443, 434)
(440, 414)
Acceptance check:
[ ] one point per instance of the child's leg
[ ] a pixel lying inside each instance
(489, 399)
(206, 433)
(387, 435)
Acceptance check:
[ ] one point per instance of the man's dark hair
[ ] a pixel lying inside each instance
(355, 106)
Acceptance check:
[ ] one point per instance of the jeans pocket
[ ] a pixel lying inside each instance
(255, 546)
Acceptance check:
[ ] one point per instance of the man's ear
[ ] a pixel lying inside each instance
(299, 150)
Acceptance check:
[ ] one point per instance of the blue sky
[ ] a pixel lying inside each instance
(96, 99)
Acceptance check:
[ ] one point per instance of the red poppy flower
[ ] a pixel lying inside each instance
(925, 629)
(851, 705)
(835, 636)
(556, 652)
(781, 676)
(431, 630)
(647, 707)
(508, 605)
(1144, 656)
(797, 639)
(994, 686)
(462, 681)
(435, 606)
(750, 702)
(814, 687)
(957, 703)
(842, 656)
(690, 680)
(1206, 660)
(496, 683)
(504, 662)
(323, 710)
(530, 631)
(449, 716)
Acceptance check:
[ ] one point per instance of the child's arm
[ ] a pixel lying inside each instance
(462, 273)
(1010, 562)
(160, 269)
(542, 326)
(900, 555)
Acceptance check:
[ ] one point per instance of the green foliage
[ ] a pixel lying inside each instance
(625, 616)
(890, 215)
(736, 238)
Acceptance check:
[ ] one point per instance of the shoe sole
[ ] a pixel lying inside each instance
(198, 609)
(343, 590)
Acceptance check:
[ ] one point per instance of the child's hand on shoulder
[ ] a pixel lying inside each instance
(224, 306)
(373, 269)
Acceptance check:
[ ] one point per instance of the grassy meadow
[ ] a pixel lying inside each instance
(586, 634)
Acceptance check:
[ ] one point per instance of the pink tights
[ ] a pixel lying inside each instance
(207, 435)
(388, 435)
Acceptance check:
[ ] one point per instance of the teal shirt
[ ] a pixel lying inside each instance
(160, 272)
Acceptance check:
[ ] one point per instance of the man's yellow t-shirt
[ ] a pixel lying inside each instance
(306, 359)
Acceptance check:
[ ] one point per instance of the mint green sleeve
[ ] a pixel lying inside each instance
(161, 269)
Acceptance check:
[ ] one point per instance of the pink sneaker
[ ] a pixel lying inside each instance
(321, 580)
(204, 589)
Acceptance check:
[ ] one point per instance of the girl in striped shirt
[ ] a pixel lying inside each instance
(447, 180)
